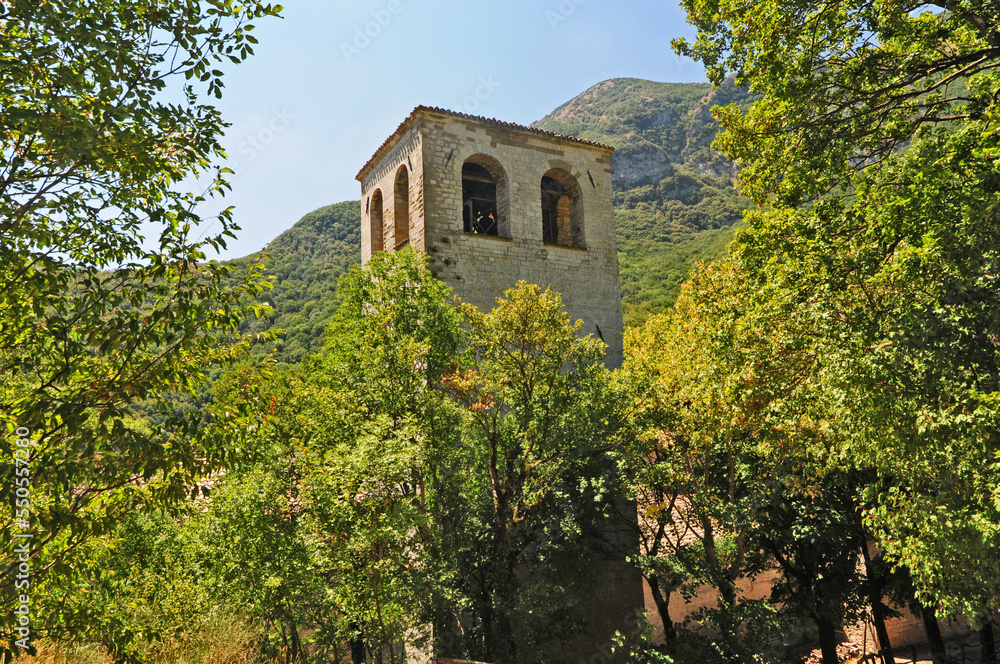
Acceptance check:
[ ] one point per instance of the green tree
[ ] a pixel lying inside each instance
(344, 523)
(845, 83)
(395, 486)
(541, 410)
(153, 583)
(380, 479)
(252, 540)
(719, 410)
(815, 541)
(890, 253)
(93, 319)
(253, 556)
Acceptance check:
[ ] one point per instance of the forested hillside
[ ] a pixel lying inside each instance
(674, 199)
(674, 196)
(305, 262)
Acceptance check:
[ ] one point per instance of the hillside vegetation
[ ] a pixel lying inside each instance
(305, 262)
(805, 442)
(675, 205)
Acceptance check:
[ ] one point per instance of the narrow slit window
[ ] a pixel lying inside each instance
(401, 209)
(375, 214)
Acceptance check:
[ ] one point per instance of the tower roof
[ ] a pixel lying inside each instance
(423, 110)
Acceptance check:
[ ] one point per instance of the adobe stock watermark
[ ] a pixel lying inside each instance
(565, 9)
(363, 35)
(487, 86)
(256, 143)
(249, 148)
(22, 538)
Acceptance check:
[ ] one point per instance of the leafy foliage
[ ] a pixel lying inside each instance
(858, 79)
(355, 448)
(540, 411)
(93, 318)
(374, 499)
(713, 414)
(888, 255)
(151, 581)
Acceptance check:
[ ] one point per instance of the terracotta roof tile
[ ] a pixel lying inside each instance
(500, 123)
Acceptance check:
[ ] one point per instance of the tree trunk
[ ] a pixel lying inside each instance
(500, 629)
(298, 655)
(986, 640)
(933, 630)
(358, 650)
(827, 640)
(663, 609)
(729, 627)
(446, 635)
(285, 646)
(506, 651)
(878, 611)
(447, 630)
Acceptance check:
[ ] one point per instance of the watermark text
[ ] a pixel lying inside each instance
(363, 36)
(22, 537)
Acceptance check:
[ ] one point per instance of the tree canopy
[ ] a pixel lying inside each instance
(871, 156)
(107, 296)
(846, 83)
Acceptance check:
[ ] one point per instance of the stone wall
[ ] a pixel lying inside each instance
(434, 145)
(405, 154)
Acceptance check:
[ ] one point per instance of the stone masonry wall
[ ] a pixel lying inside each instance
(481, 267)
(407, 154)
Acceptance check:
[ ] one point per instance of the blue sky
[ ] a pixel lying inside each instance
(331, 80)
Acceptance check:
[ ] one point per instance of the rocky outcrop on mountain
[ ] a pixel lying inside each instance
(674, 196)
(654, 126)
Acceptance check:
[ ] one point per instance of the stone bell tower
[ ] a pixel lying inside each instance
(492, 203)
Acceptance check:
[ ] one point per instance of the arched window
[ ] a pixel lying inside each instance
(484, 197)
(375, 219)
(401, 209)
(562, 209)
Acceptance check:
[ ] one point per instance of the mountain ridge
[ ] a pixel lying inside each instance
(675, 205)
